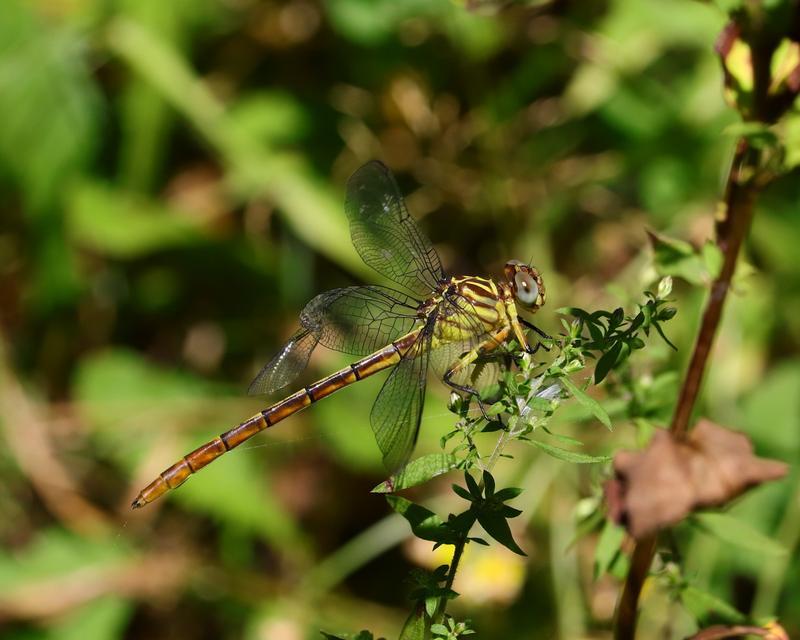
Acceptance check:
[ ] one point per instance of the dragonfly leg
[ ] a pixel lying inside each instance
(494, 340)
(539, 345)
(472, 391)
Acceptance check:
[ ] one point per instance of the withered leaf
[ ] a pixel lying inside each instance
(661, 485)
(771, 631)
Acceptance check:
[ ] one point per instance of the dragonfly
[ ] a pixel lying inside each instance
(427, 319)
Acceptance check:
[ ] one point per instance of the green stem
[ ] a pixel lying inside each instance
(502, 441)
(451, 576)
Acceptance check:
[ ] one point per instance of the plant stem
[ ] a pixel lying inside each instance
(502, 441)
(451, 574)
(732, 227)
(744, 182)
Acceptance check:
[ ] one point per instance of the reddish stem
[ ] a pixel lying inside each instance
(745, 180)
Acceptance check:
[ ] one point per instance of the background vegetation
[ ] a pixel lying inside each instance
(171, 177)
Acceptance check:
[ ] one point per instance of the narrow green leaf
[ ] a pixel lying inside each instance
(509, 493)
(569, 456)
(424, 523)
(462, 492)
(737, 532)
(497, 527)
(488, 483)
(707, 608)
(417, 472)
(587, 401)
(608, 548)
(562, 438)
(473, 487)
(606, 363)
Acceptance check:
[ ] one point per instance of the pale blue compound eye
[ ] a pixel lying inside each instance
(526, 288)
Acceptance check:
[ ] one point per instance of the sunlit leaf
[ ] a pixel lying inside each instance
(587, 401)
(418, 471)
(569, 456)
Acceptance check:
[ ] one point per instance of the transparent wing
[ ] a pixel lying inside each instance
(359, 320)
(386, 237)
(397, 411)
(480, 375)
(287, 364)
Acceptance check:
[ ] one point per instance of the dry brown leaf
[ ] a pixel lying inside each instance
(771, 631)
(661, 485)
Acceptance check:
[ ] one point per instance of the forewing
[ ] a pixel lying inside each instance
(386, 237)
(397, 410)
(287, 364)
(360, 320)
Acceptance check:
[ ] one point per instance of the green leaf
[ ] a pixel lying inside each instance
(105, 617)
(270, 118)
(509, 493)
(48, 103)
(112, 387)
(123, 225)
(674, 257)
(462, 492)
(54, 553)
(418, 471)
(712, 258)
(708, 608)
(228, 490)
(560, 437)
(607, 362)
(587, 401)
(416, 625)
(424, 523)
(113, 384)
(569, 456)
(495, 524)
(737, 532)
(608, 548)
(473, 487)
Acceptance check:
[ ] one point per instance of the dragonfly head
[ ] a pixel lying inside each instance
(526, 283)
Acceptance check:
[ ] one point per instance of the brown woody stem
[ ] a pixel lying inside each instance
(745, 180)
(736, 214)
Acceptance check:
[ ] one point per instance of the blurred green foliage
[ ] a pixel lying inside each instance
(170, 195)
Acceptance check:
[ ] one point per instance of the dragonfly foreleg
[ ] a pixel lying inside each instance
(540, 344)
